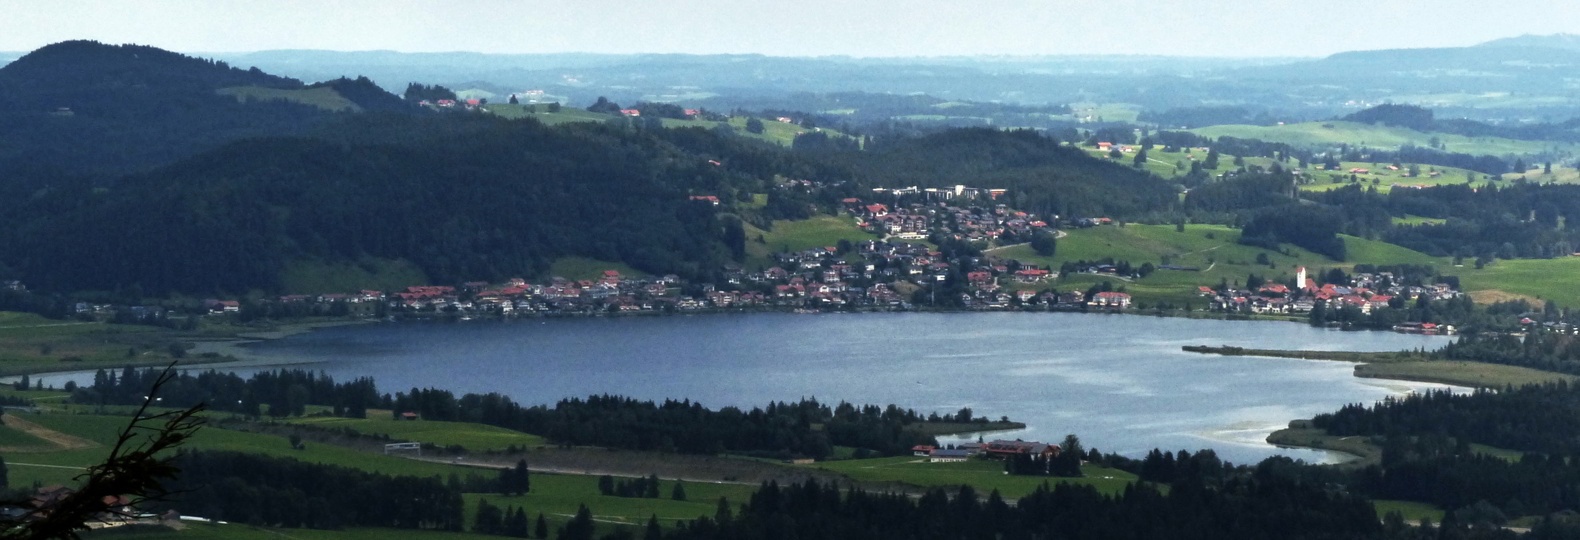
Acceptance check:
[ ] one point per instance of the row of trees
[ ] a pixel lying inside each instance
(260, 490)
(805, 428)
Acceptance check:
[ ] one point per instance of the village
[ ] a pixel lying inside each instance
(898, 269)
(1364, 292)
(997, 449)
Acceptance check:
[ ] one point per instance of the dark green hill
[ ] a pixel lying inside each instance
(459, 196)
(1040, 175)
(83, 107)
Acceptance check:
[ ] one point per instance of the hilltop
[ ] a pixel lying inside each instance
(86, 107)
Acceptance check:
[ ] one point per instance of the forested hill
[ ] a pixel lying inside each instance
(1041, 176)
(459, 196)
(140, 175)
(83, 107)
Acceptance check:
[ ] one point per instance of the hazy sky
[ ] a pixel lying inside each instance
(788, 28)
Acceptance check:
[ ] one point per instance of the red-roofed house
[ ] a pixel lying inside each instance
(1111, 299)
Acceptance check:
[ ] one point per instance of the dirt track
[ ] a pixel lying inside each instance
(60, 441)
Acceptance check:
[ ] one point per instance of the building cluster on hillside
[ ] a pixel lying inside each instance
(916, 221)
(884, 273)
(877, 274)
(1364, 291)
(998, 449)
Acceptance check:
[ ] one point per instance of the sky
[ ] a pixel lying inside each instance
(868, 28)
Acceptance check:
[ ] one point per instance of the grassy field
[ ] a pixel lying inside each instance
(584, 268)
(1378, 136)
(1511, 456)
(1534, 279)
(540, 112)
(1461, 373)
(1211, 248)
(981, 474)
(322, 97)
(1301, 434)
(14, 439)
(1560, 174)
(1104, 112)
(31, 344)
(773, 131)
(314, 277)
(1411, 511)
(1384, 180)
(474, 437)
(820, 231)
(558, 496)
(1417, 220)
(213, 531)
(45, 467)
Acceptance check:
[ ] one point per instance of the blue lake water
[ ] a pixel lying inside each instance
(1120, 382)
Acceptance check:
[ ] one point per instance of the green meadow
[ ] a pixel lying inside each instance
(558, 496)
(322, 97)
(820, 231)
(473, 437)
(103, 429)
(30, 343)
(774, 131)
(982, 474)
(1378, 136)
(579, 268)
(1212, 249)
(1532, 279)
(305, 276)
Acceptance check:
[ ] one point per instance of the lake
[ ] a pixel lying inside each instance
(1120, 382)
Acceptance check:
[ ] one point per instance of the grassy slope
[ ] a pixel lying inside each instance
(322, 97)
(1533, 279)
(984, 475)
(773, 131)
(1380, 177)
(1228, 260)
(30, 344)
(558, 496)
(820, 231)
(312, 277)
(1376, 136)
(1461, 373)
(474, 437)
(214, 531)
(102, 429)
(585, 268)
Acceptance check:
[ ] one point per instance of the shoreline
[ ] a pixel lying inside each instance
(1403, 366)
(232, 351)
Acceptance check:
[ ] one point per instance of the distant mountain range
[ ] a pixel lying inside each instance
(1555, 41)
(1513, 79)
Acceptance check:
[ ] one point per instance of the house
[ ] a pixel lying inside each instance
(1111, 299)
(922, 450)
(631, 112)
(707, 198)
(1001, 449)
(947, 455)
(1031, 275)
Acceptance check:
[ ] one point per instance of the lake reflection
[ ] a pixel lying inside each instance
(1120, 382)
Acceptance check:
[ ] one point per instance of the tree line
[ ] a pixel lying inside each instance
(806, 428)
(276, 492)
